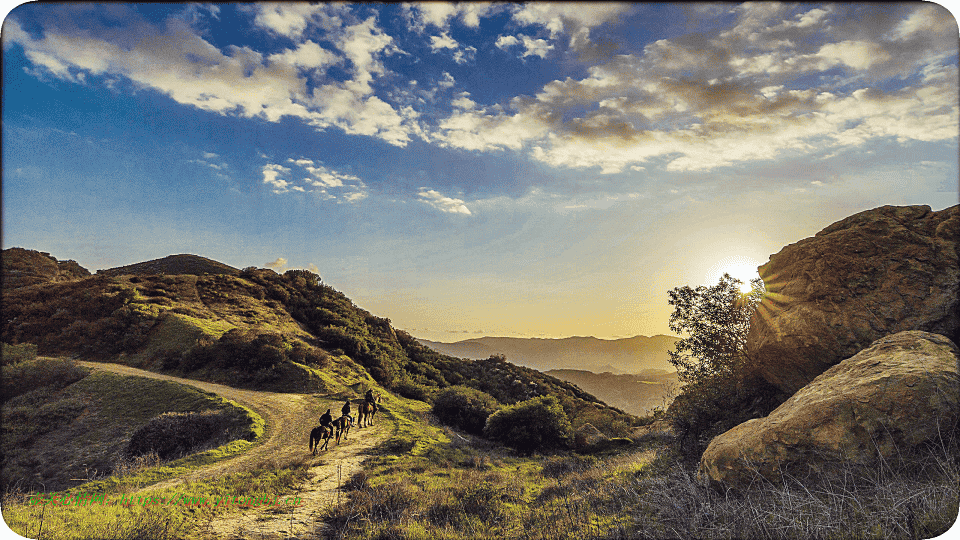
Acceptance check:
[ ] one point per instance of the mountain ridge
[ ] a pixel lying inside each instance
(621, 356)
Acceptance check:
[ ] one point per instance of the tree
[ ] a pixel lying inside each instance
(710, 362)
(716, 320)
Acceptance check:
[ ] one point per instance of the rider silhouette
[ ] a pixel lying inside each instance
(345, 411)
(326, 420)
(368, 397)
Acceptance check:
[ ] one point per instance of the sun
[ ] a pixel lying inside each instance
(738, 266)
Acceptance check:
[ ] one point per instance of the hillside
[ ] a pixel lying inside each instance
(24, 267)
(628, 355)
(635, 394)
(173, 265)
(262, 330)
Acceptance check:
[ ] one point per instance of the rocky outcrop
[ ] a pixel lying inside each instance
(25, 267)
(870, 275)
(588, 436)
(889, 402)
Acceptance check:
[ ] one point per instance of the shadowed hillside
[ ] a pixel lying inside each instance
(174, 264)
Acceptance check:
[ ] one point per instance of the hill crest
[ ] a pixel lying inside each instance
(173, 265)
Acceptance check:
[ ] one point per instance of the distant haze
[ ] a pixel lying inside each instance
(628, 355)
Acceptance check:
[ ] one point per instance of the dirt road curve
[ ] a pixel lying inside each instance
(288, 418)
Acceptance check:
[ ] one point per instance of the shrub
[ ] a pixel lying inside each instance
(531, 425)
(11, 354)
(465, 408)
(412, 390)
(171, 435)
(42, 372)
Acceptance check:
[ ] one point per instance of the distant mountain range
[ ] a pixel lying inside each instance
(618, 356)
(636, 394)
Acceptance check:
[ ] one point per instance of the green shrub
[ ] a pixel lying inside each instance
(42, 372)
(412, 390)
(532, 425)
(465, 408)
(173, 434)
(11, 354)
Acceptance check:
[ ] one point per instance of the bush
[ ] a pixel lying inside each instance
(465, 408)
(409, 389)
(11, 354)
(42, 372)
(531, 425)
(172, 435)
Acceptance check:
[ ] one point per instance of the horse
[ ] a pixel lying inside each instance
(342, 426)
(318, 433)
(366, 412)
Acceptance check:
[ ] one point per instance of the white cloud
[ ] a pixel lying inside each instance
(175, 60)
(307, 55)
(443, 203)
(535, 47)
(278, 264)
(443, 41)
(322, 181)
(290, 19)
(706, 101)
(271, 176)
(439, 14)
(504, 42)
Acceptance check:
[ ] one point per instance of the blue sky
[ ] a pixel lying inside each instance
(536, 170)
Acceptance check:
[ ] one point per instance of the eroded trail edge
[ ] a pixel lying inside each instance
(288, 419)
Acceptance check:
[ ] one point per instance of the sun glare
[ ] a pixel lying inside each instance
(742, 268)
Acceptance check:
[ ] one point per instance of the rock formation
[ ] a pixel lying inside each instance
(889, 402)
(588, 436)
(870, 275)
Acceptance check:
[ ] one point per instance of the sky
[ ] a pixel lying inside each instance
(466, 170)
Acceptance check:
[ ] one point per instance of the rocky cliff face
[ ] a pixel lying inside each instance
(870, 275)
(892, 402)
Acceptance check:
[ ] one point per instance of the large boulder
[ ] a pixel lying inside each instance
(889, 402)
(870, 275)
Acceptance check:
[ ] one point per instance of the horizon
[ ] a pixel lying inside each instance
(499, 170)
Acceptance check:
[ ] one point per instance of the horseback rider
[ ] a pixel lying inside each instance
(345, 411)
(326, 420)
(368, 397)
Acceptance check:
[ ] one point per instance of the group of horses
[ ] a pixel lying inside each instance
(341, 426)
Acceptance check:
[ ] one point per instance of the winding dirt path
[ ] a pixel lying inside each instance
(288, 419)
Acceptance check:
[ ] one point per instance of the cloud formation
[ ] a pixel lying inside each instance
(763, 80)
(443, 203)
(716, 99)
(326, 183)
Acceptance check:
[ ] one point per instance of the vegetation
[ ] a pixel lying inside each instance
(464, 408)
(717, 393)
(533, 425)
(65, 423)
(259, 329)
(450, 487)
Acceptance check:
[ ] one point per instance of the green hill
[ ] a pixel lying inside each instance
(259, 329)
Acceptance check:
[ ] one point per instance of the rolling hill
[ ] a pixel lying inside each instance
(174, 264)
(189, 316)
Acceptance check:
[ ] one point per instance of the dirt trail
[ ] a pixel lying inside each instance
(288, 418)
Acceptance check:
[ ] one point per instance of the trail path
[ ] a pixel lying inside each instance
(288, 419)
